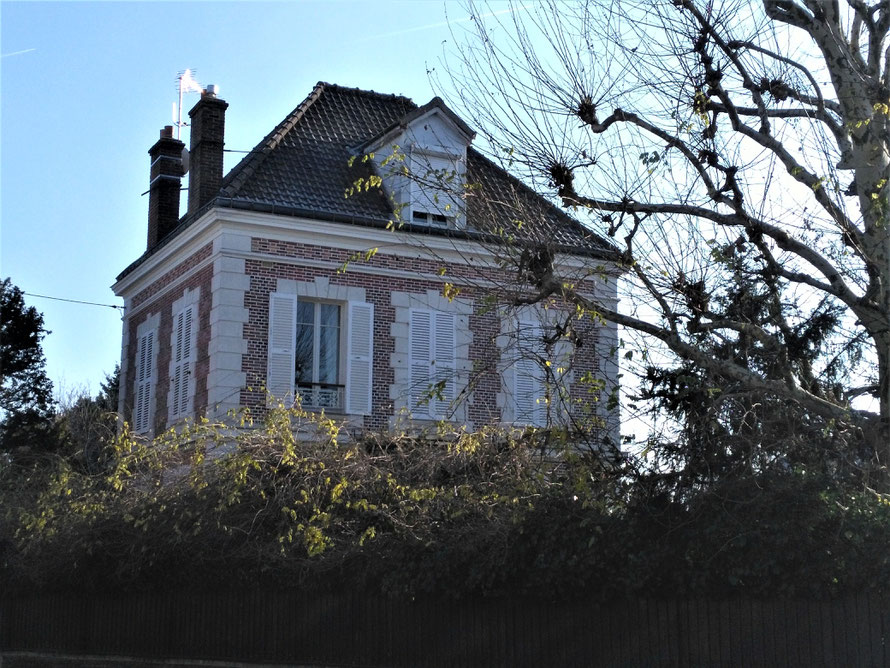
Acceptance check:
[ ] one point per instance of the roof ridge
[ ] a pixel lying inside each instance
(364, 91)
(252, 161)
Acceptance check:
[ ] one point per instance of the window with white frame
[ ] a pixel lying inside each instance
(144, 375)
(321, 352)
(432, 343)
(182, 376)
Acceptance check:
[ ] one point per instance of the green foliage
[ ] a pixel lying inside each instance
(452, 514)
(25, 390)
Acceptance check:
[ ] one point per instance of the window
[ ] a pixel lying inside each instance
(425, 218)
(309, 342)
(144, 382)
(182, 381)
(432, 362)
(317, 355)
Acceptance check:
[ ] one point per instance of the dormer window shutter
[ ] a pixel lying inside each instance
(359, 358)
(436, 187)
(282, 347)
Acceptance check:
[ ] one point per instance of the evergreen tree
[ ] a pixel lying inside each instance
(26, 413)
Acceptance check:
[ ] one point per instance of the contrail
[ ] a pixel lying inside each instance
(439, 25)
(17, 53)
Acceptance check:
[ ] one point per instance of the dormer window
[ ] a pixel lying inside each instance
(427, 218)
(426, 184)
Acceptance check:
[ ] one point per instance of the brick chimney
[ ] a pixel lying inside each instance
(206, 152)
(165, 180)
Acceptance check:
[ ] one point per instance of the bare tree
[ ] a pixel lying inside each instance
(713, 141)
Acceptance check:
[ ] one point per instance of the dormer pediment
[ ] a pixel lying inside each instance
(422, 161)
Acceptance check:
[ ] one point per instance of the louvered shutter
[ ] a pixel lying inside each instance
(528, 375)
(420, 359)
(443, 364)
(359, 357)
(282, 333)
(143, 387)
(181, 375)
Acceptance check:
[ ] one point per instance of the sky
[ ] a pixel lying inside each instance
(85, 89)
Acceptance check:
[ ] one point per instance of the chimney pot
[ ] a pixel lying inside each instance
(165, 180)
(208, 120)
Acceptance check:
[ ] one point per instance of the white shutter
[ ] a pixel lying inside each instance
(181, 380)
(282, 344)
(143, 385)
(359, 357)
(420, 359)
(443, 362)
(528, 375)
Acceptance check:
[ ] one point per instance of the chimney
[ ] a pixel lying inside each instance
(206, 153)
(165, 174)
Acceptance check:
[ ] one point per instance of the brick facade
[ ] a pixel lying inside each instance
(158, 298)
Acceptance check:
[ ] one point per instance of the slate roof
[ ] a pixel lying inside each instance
(302, 168)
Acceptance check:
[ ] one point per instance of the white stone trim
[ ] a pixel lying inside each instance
(228, 315)
(321, 288)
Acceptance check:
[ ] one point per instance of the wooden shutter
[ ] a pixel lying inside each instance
(528, 375)
(359, 357)
(182, 386)
(142, 392)
(420, 359)
(443, 363)
(282, 344)
(432, 362)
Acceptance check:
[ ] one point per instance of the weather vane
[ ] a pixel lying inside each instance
(186, 83)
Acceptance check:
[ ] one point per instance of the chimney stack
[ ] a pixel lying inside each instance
(165, 180)
(208, 123)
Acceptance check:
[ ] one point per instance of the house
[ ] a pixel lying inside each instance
(364, 258)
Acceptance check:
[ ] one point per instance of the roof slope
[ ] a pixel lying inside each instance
(302, 168)
(303, 163)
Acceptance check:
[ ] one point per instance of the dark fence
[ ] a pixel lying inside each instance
(355, 629)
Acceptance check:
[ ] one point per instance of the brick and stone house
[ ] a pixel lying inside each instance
(346, 262)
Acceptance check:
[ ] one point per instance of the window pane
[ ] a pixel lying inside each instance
(329, 344)
(305, 312)
(305, 335)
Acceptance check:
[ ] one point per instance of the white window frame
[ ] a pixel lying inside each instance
(356, 342)
(342, 334)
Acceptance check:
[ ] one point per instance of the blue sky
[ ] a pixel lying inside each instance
(85, 88)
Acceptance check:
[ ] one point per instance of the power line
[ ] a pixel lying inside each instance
(73, 301)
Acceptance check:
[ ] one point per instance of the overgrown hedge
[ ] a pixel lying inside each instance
(448, 514)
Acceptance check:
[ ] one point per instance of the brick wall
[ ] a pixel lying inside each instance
(157, 298)
(484, 323)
